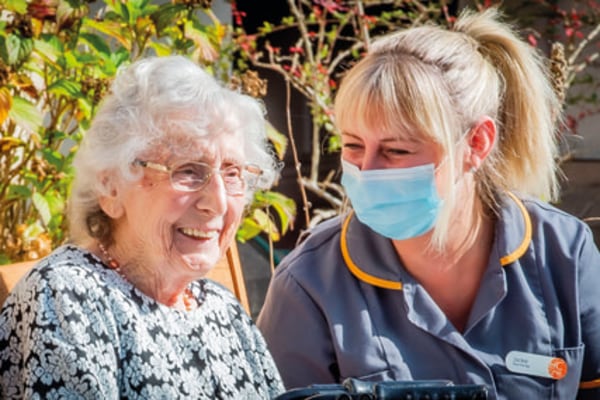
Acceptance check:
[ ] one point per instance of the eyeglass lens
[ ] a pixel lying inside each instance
(193, 176)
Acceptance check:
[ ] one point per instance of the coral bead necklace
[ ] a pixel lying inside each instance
(187, 297)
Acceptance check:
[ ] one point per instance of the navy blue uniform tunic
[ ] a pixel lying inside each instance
(342, 305)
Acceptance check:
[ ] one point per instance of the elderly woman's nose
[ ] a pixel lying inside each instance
(214, 195)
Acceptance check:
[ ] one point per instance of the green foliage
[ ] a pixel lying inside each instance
(56, 64)
(259, 219)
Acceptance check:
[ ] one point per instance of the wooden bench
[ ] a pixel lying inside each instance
(228, 272)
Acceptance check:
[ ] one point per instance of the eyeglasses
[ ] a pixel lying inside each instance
(191, 176)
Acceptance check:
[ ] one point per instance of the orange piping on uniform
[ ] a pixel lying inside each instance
(356, 271)
(509, 258)
(589, 384)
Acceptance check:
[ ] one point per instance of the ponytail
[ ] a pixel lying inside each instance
(529, 109)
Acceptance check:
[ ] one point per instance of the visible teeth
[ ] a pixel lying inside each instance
(196, 233)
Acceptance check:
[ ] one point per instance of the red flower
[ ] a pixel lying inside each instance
(330, 5)
(569, 31)
(370, 19)
(317, 11)
(42, 9)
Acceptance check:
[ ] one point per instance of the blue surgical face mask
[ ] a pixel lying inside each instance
(398, 203)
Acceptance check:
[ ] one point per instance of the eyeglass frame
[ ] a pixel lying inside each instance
(251, 169)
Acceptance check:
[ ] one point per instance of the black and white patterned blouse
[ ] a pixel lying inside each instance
(75, 329)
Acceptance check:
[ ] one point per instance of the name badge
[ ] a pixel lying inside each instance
(536, 365)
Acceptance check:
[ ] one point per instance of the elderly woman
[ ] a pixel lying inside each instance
(163, 176)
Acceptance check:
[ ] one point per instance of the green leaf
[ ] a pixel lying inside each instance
(97, 42)
(18, 6)
(17, 49)
(33, 231)
(284, 206)
(278, 139)
(247, 230)
(166, 16)
(286, 217)
(121, 9)
(50, 50)
(334, 143)
(54, 135)
(3, 49)
(53, 157)
(56, 203)
(137, 9)
(19, 191)
(161, 49)
(65, 88)
(42, 207)
(266, 223)
(85, 107)
(119, 56)
(25, 114)
(267, 27)
(112, 29)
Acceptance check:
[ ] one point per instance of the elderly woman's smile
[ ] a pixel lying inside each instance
(198, 234)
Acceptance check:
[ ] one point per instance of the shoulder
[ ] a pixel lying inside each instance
(549, 218)
(68, 272)
(552, 235)
(318, 239)
(325, 230)
(313, 264)
(65, 258)
(69, 266)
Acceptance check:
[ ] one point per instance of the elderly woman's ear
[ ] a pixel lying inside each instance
(110, 201)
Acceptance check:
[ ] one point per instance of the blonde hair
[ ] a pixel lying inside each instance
(435, 83)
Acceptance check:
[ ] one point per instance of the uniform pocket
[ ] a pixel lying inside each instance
(567, 387)
(514, 386)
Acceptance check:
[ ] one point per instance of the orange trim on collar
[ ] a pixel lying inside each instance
(589, 384)
(356, 271)
(522, 248)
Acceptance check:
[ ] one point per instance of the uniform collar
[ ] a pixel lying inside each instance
(372, 259)
(514, 231)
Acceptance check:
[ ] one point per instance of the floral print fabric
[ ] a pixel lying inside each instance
(75, 329)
